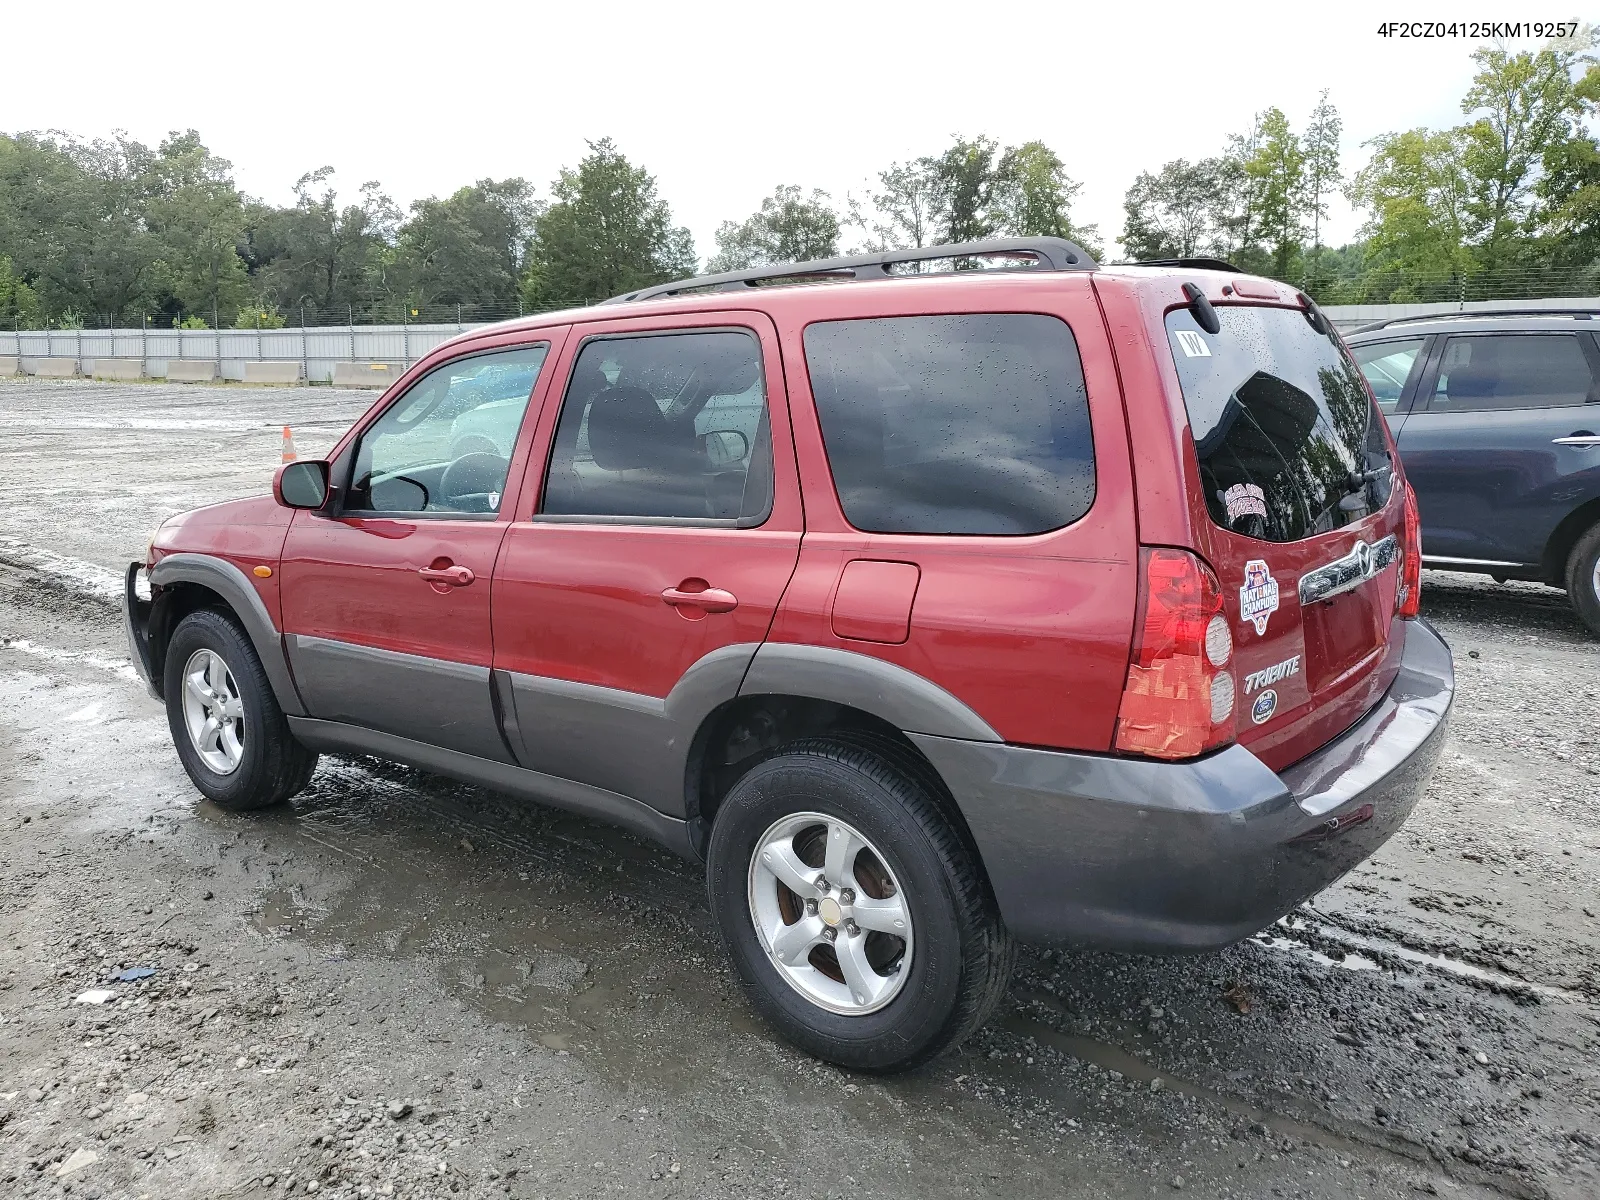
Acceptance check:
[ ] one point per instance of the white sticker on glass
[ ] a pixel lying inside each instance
(1192, 344)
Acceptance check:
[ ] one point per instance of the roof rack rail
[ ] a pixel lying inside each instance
(1581, 314)
(1192, 264)
(1048, 254)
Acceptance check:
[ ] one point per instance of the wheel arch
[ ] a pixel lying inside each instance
(186, 583)
(744, 731)
(1559, 547)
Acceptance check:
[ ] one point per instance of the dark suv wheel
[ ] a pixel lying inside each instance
(226, 723)
(859, 923)
(1583, 578)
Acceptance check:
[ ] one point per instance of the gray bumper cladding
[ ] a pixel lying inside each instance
(136, 625)
(1130, 854)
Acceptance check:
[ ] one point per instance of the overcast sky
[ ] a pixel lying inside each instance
(721, 101)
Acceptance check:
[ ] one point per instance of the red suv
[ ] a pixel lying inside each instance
(929, 609)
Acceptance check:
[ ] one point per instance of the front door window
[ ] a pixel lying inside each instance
(445, 446)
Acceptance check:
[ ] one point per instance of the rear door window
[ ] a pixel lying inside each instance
(1290, 443)
(1387, 366)
(966, 424)
(1511, 370)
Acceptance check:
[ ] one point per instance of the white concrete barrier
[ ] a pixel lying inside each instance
(51, 368)
(10, 365)
(191, 370)
(365, 374)
(116, 368)
(272, 372)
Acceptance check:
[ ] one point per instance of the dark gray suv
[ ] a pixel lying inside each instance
(1497, 416)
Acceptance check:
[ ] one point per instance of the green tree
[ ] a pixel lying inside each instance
(1275, 170)
(1569, 190)
(1526, 105)
(1419, 195)
(967, 185)
(1033, 197)
(606, 232)
(789, 227)
(1180, 211)
(19, 303)
(75, 221)
(319, 254)
(198, 218)
(904, 209)
(469, 248)
(1321, 163)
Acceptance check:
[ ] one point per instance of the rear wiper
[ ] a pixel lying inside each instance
(1355, 495)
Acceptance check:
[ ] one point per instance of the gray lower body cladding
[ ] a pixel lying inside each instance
(1091, 850)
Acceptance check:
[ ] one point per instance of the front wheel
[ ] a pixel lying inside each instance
(1583, 578)
(230, 733)
(857, 917)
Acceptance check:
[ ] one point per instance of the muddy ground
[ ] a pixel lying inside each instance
(404, 986)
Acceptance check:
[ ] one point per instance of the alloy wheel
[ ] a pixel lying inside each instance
(212, 712)
(830, 913)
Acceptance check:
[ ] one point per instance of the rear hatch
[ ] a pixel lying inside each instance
(1305, 520)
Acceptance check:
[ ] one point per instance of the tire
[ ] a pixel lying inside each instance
(1583, 578)
(956, 962)
(270, 764)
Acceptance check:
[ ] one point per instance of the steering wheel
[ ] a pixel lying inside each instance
(470, 480)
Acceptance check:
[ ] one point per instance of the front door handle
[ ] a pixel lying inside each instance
(447, 576)
(1580, 438)
(705, 599)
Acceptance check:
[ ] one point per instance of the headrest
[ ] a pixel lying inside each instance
(626, 429)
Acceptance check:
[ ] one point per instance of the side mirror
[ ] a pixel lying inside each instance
(302, 484)
(724, 446)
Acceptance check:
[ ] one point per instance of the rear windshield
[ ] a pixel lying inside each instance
(1290, 443)
(975, 423)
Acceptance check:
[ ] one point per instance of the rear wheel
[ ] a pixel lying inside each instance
(858, 920)
(230, 733)
(1583, 578)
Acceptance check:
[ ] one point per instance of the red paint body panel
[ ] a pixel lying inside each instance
(356, 580)
(1030, 632)
(248, 533)
(873, 603)
(583, 602)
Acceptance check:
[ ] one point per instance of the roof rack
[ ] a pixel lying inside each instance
(1581, 314)
(1047, 253)
(1191, 264)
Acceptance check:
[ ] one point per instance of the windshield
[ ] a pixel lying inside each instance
(1290, 444)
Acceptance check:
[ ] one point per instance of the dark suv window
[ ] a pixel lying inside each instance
(969, 424)
(666, 427)
(1511, 370)
(1290, 443)
(1387, 366)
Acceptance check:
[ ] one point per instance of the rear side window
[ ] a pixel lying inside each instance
(1290, 444)
(1387, 366)
(964, 424)
(1511, 370)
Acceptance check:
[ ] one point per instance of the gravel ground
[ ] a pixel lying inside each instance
(404, 986)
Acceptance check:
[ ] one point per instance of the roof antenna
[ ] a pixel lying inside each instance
(1204, 315)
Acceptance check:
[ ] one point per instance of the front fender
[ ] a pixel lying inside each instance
(220, 576)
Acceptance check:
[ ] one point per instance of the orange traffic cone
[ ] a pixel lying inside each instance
(289, 452)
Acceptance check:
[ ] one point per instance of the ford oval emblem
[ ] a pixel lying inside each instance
(1265, 705)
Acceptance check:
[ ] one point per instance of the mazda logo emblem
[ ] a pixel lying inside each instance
(1363, 553)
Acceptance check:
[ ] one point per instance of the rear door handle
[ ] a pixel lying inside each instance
(711, 600)
(452, 576)
(1578, 439)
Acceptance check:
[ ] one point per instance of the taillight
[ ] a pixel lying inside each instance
(1178, 701)
(1408, 599)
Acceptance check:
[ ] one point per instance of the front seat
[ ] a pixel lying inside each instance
(652, 473)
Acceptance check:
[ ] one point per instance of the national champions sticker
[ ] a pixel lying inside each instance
(1258, 598)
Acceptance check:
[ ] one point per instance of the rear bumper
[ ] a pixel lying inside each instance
(1128, 854)
(136, 625)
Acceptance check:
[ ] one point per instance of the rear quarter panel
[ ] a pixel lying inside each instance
(1031, 632)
